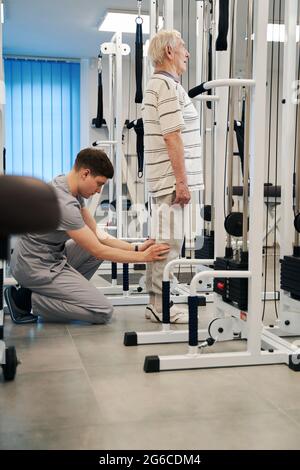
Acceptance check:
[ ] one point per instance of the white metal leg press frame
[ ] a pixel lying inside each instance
(263, 347)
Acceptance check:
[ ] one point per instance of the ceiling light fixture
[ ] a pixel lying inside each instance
(124, 22)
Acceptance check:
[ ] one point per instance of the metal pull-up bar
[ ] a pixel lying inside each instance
(229, 82)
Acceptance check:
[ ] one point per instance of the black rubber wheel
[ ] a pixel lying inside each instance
(11, 363)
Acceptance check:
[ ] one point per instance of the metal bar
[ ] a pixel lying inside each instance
(219, 273)
(278, 342)
(118, 136)
(206, 98)
(106, 143)
(257, 174)
(220, 131)
(297, 186)
(232, 99)
(199, 43)
(229, 82)
(201, 75)
(230, 156)
(198, 361)
(169, 14)
(167, 336)
(183, 262)
(110, 125)
(213, 112)
(288, 128)
(247, 126)
(203, 145)
(154, 16)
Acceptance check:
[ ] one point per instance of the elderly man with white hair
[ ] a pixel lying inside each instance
(172, 156)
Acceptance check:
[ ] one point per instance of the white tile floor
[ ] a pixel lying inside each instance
(79, 387)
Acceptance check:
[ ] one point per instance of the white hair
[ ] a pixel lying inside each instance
(159, 42)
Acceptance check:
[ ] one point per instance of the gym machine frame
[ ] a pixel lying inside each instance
(263, 347)
(165, 334)
(124, 295)
(8, 356)
(288, 323)
(115, 49)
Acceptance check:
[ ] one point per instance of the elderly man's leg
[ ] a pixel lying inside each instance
(168, 223)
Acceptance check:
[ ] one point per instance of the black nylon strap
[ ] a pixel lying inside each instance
(139, 129)
(139, 62)
(98, 121)
(221, 42)
(209, 78)
(239, 131)
(99, 117)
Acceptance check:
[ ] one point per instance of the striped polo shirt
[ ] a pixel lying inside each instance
(167, 108)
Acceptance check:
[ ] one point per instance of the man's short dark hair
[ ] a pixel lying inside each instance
(96, 161)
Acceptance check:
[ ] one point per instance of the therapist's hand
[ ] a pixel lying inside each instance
(144, 246)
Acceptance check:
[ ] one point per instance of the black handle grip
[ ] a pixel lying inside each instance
(114, 271)
(197, 90)
(131, 124)
(125, 277)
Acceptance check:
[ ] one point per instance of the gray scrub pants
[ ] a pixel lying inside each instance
(70, 295)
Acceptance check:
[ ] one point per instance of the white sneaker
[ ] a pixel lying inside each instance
(177, 314)
(148, 311)
(150, 307)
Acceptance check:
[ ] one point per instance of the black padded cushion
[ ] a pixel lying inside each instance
(269, 191)
(27, 205)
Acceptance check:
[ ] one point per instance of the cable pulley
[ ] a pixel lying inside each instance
(234, 224)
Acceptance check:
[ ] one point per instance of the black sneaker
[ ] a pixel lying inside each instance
(18, 315)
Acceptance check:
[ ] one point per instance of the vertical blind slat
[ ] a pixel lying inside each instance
(75, 123)
(42, 117)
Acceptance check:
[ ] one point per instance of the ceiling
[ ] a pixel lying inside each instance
(58, 28)
(69, 28)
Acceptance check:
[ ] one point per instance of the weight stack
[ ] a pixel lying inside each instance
(290, 276)
(233, 290)
(207, 250)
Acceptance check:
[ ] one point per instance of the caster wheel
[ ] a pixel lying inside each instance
(10, 367)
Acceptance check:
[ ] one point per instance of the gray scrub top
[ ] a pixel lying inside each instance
(38, 258)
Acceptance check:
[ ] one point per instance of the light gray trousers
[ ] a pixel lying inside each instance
(166, 227)
(70, 295)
